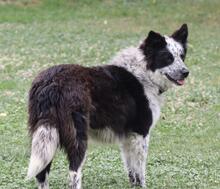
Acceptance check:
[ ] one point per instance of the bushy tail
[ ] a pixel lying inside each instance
(45, 141)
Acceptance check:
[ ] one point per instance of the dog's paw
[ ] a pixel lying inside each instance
(136, 180)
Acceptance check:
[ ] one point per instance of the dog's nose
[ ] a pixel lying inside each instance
(185, 72)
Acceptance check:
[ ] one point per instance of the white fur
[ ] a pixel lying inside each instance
(176, 50)
(75, 179)
(174, 47)
(45, 141)
(134, 153)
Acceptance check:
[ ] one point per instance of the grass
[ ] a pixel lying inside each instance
(184, 148)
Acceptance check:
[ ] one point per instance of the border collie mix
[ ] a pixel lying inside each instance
(120, 102)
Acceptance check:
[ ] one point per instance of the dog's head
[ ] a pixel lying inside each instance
(165, 55)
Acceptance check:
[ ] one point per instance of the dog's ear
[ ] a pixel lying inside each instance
(181, 34)
(154, 40)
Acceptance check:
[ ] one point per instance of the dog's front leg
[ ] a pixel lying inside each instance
(134, 153)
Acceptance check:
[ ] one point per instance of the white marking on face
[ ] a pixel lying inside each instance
(176, 49)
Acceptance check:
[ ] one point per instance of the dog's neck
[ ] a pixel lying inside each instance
(133, 60)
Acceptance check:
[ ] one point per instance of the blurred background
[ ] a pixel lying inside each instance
(185, 145)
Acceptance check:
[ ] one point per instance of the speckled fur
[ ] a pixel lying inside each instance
(134, 153)
(176, 50)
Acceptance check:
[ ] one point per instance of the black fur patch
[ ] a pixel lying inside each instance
(41, 177)
(155, 51)
(119, 102)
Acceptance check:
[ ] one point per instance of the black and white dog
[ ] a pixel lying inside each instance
(120, 101)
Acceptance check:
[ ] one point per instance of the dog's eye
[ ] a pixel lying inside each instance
(169, 58)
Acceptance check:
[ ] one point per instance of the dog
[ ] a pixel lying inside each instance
(117, 102)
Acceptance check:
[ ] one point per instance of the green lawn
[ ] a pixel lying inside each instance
(185, 145)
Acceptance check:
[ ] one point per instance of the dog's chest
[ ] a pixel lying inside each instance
(155, 103)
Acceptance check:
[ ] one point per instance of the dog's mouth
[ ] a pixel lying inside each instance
(176, 81)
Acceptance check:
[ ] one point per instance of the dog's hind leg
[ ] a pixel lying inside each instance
(134, 153)
(42, 178)
(76, 150)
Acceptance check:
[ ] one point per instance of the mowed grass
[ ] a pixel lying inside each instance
(185, 145)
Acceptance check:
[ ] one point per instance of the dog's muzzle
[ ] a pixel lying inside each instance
(179, 76)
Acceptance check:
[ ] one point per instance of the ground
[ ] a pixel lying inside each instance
(185, 145)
